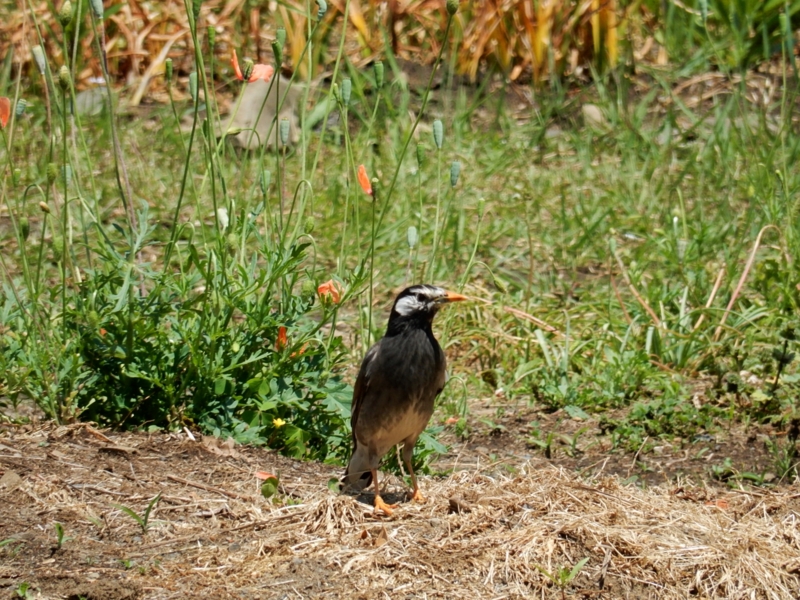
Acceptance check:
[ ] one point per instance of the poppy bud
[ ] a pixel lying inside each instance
(420, 155)
(44, 208)
(455, 170)
(65, 13)
(168, 70)
(17, 175)
(38, 56)
(22, 104)
(309, 225)
(347, 87)
(277, 50)
(24, 227)
(64, 78)
(212, 37)
(97, 8)
(438, 133)
(452, 7)
(66, 174)
(56, 246)
(280, 36)
(52, 172)
(323, 8)
(335, 90)
(232, 243)
(308, 289)
(378, 67)
(247, 69)
(196, 5)
(411, 237)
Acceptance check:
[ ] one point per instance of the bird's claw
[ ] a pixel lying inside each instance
(381, 505)
(417, 496)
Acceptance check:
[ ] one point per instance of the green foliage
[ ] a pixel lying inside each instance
(143, 520)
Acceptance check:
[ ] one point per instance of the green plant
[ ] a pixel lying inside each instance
(60, 538)
(142, 520)
(564, 576)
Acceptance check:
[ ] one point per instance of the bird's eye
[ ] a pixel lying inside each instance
(420, 298)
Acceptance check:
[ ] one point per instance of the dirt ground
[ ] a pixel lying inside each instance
(490, 529)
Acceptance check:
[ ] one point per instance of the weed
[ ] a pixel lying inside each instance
(143, 520)
(563, 576)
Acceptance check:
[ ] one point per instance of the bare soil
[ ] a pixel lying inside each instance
(502, 517)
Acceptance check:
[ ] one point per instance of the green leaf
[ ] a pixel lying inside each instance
(270, 487)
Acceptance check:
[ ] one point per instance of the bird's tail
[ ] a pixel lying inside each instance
(358, 474)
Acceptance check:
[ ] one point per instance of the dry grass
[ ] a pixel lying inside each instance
(523, 41)
(212, 530)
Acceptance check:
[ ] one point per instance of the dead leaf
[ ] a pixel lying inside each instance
(382, 538)
(10, 481)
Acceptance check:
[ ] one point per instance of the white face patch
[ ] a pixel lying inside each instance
(408, 305)
(417, 301)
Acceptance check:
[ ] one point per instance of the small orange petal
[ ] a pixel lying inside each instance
(5, 111)
(281, 342)
(264, 475)
(330, 289)
(363, 179)
(235, 65)
(264, 72)
(103, 332)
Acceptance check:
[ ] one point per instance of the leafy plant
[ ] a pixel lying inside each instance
(143, 520)
(564, 576)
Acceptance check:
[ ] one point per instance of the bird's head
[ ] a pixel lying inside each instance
(421, 303)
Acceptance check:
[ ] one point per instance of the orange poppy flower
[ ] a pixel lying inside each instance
(281, 342)
(363, 179)
(5, 111)
(330, 290)
(260, 71)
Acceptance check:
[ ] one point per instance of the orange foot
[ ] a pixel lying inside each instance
(417, 496)
(381, 505)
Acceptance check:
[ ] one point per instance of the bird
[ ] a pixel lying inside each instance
(397, 384)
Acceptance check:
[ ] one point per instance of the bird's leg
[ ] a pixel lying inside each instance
(379, 503)
(416, 496)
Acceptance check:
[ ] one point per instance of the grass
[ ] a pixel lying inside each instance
(165, 280)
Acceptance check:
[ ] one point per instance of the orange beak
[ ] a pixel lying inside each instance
(452, 297)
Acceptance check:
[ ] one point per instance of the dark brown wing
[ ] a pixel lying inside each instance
(361, 388)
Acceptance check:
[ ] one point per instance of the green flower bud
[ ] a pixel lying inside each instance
(481, 206)
(308, 289)
(420, 155)
(264, 180)
(280, 36)
(24, 228)
(438, 133)
(193, 85)
(17, 175)
(65, 13)
(212, 37)
(56, 245)
(52, 172)
(277, 50)
(22, 104)
(347, 87)
(196, 5)
(38, 56)
(168, 70)
(247, 68)
(455, 171)
(284, 129)
(64, 78)
(93, 319)
(66, 174)
(378, 67)
(412, 237)
(323, 8)
(232, 243)
(97, 8)
(310, 224)
(452, 7)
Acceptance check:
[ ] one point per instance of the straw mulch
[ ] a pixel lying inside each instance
(481, 534)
